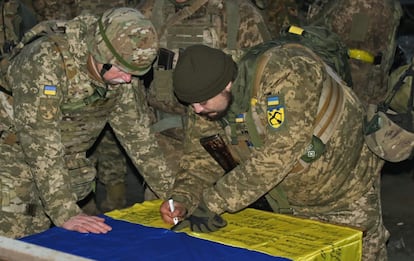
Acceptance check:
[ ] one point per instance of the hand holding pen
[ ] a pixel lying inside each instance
(172, 212)
(172, 208)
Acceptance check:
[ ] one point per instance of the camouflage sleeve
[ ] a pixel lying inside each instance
(37, 119)
(252, 28)
(131, 123)
(198, 169)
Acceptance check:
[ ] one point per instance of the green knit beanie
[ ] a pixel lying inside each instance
(201, 73)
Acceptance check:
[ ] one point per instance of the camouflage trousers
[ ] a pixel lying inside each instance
(21, 211)
(364, 213)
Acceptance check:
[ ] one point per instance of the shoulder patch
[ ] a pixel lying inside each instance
(275, 112)
(49, 90)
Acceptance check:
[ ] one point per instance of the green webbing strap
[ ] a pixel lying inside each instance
(157, 17)
(233, 22)
(264, 32)
(278, 201)
(99, 93)
(252, 129)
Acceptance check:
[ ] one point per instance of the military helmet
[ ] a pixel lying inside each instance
(386, 138)
(400, 98)
(125, 38)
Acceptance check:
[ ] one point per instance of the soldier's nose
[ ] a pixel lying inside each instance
(126, 77)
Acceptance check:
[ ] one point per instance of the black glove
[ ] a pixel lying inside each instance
(202, 220)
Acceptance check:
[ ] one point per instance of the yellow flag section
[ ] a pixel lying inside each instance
(270, 233)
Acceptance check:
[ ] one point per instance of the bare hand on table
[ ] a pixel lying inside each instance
(87, 224)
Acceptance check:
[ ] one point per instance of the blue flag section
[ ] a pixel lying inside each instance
(128, 241)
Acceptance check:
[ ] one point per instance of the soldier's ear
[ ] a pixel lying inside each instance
(228, 87)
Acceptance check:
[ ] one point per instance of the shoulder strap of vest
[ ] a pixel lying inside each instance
(157, 16)
(233, 22)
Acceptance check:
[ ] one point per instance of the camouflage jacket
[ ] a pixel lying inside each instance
(54, 135)
(330, 183)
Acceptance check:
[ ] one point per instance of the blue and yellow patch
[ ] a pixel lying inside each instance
(49, 90)
(240, 118)
(275, 112)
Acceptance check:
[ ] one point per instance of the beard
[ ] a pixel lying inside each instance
(221, 114)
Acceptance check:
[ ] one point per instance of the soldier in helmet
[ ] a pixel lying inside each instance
(66, 86)
(109, 157)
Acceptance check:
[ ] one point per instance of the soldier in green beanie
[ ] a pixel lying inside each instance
(285, 127)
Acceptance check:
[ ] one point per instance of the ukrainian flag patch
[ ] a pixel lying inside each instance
(275, 112)
(240, 118)
(49, 90)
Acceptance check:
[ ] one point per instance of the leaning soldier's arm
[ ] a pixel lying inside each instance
(198, 169)
(37, 118)
(131, 123)
(300, 77)
(252, 29)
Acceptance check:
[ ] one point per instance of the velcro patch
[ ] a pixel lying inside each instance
(49, 90)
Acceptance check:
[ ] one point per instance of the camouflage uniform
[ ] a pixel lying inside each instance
(47, 128)
(341, 187)
(107, 155)
(368, 25)
(209, 25)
